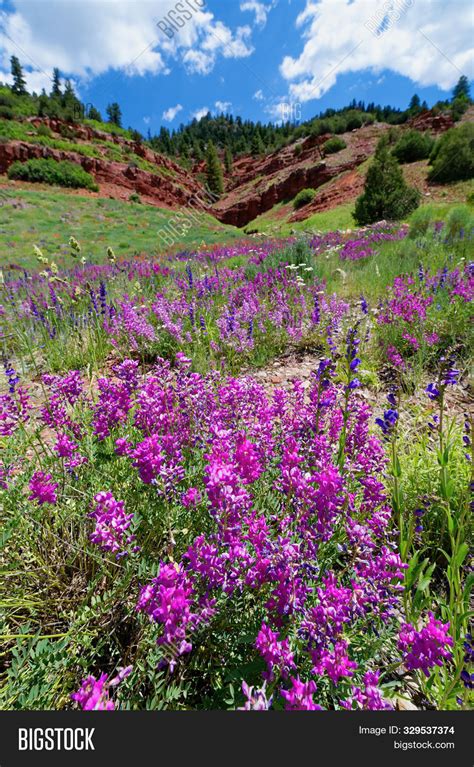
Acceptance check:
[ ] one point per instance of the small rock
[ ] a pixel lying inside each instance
(402, 704)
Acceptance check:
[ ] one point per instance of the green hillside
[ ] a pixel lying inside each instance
(49, 216)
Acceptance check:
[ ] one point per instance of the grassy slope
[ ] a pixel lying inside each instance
(48, 216)
(273, 222)
(442, 196)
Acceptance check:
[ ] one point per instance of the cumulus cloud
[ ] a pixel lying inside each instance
(86, 39)
(258, 95)
(423, 40)
(260, 10)
(170, 114)
(200, 113)
(223, 106)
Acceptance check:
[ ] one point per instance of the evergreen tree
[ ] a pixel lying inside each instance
(414, 102)
(19, 82)
(73, 109)
(461, 98)
(214, 179)
(257, 147)
(462, 89)
(197, 151)
(386, 195)
(114, 113)
(43, 103)
(56, 89)
(228, 160)
(94, 114)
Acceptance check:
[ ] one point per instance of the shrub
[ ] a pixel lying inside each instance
(334, 145)
(297, 150)
(452, 156)
(460, 220)
(393, 135)
(67, 132)
(6, 112)
(420, 222)
(303, 198)
(354, 122)
(7, 100)
(459, 107)
(386, 195)
(43, 130)
(134, 197)
(413, 145)
(49, 171)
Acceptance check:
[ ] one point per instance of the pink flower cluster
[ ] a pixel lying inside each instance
(427, 648)
(111, 525)
(170, 600)
(272, 549)
(43, 489)
(93, 694)
(369, 698)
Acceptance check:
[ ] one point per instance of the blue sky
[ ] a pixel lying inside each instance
(259, 59)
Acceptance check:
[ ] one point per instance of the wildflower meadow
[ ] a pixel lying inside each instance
(178, 533)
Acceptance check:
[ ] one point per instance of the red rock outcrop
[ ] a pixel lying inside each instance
(257, 185)
(429, 121)
(342, 189)
(170, 186)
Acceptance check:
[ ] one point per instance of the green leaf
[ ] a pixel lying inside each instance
(461, 554)
(412, 569)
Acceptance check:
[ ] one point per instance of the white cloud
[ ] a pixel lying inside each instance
(258, 95)
(170, 114)
(260, 10)
(426, 42)
(200, 113)
(223, 106)
(86, 39)
(198, 62)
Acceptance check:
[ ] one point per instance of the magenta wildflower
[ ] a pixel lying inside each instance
(170, 600)
(111, 525)
(275, 652)
(370, 697)
(335, 662)
(300, 696)
(426, 648)
(65, 446)
(256, 699)
(93, 694)
(191, 497)
(43, 489)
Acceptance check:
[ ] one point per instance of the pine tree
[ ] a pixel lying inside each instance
(197, 152)
(43, 103)
(462, 89)
(386, 195)
(114, 113)
(414, 102)
(461, 98)
(257, 147)
(73, 109)
(56, 89)
(228, 160)
(94, 114)
(214, 179)
(19, 82)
